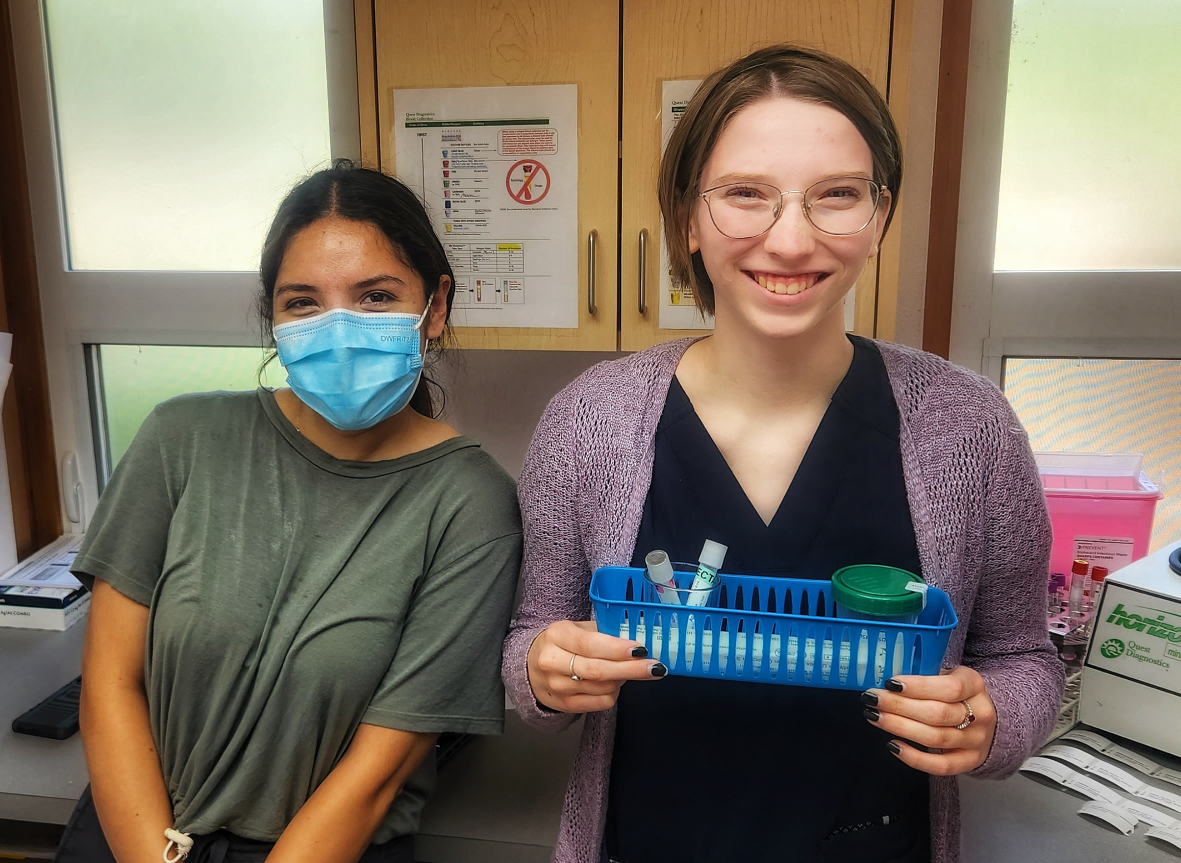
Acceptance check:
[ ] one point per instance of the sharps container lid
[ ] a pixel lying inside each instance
(871, 588)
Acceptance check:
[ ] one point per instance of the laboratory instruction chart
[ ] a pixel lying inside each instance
(678, 311)
(498, 170)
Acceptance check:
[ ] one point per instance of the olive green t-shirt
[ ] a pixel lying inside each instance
(294, 595)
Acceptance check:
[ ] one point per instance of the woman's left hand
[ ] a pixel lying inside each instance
(927, 709)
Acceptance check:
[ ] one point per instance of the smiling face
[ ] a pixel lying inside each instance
(337, 263)
(788, 280)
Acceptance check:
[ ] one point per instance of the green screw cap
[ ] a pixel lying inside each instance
(871, 588)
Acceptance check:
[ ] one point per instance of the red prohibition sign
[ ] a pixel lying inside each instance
(531, 190)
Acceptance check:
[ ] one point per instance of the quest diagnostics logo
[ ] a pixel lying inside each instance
(1112, 648)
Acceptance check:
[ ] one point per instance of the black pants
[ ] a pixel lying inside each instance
(84, 842)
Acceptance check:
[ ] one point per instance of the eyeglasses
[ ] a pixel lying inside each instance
(839, 206)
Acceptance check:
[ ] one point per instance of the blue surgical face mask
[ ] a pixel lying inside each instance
(355, 369)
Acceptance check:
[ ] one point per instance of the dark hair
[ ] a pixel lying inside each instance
(780, 70)
(352, 192)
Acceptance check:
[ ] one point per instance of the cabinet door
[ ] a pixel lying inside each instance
(670, 40)
(474, 43)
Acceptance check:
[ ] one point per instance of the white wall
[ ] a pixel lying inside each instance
(497, 397)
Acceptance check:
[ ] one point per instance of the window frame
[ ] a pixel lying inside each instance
(88, 307)
(1103, 314)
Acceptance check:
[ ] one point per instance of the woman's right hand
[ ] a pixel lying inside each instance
(601, 664)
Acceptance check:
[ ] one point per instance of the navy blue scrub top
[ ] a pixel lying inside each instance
(711, 771)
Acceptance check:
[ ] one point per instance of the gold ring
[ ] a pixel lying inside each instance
(573, 676)
(968, 719)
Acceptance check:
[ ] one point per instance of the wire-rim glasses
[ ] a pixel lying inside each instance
(838, 206)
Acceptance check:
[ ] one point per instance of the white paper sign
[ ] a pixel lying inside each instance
(498, 170)
(677, 308)
(1114, 552)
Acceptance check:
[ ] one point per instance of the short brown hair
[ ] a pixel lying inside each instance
(780, 70)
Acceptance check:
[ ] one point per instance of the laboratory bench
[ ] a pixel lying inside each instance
(499, 799)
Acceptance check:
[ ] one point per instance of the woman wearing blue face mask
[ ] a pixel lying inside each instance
(296, 591)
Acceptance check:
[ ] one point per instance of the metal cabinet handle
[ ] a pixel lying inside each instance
(642, 281)
(592, 249)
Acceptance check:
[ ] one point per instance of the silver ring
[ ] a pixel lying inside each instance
(573, 676)
(968, 720)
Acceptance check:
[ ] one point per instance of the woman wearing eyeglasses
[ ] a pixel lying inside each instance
(804, 450)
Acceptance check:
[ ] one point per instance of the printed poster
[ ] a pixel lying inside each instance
(498, 170)
(677, 309)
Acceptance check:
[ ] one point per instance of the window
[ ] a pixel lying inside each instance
(160, 137)
(130, 380)
(180, 125)
(1107, 405)
(1090, 178)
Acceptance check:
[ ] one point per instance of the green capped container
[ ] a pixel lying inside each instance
(872, 591)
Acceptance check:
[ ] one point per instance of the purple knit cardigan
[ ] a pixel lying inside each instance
(980, 522)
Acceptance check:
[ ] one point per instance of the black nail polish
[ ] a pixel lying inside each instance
(893, 685)
(639, 652)
(869, 698)
(871, 713)
(893, 747)
(659, 670)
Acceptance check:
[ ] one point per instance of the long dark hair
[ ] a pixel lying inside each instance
(352, 192)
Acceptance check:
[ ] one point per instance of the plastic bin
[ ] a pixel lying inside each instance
(770, 630)
(1101, 507)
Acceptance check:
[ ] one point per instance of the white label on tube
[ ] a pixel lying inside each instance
(657, 639)
(809, 656)
(624, 629)
(862, 655)
(707, 648)
(898, 648)
(739, 650)
(674, 640)
(826, 659)
(793, 653)
(642, 631)
(775, 648)
(723, 649)
(705, 578)
(879, 660)
(690, 642)
(843, 662)
(757, 645)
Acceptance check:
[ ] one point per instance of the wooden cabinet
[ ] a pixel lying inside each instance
(607, 48)
(476, 43)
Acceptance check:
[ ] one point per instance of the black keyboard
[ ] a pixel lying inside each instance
(55, 717)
